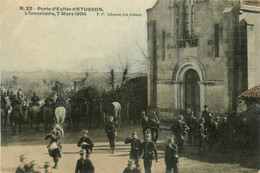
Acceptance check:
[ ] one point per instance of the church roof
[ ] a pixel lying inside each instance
(251, 93)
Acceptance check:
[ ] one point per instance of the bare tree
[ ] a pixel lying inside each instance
(112, 69)
(125, 67)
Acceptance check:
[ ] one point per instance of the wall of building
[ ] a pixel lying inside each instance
(207, 15)
(251, 15)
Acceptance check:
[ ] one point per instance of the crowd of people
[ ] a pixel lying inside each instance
(146, 149)
(203, 130)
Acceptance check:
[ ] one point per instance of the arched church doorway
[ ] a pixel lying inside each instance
(192, 90)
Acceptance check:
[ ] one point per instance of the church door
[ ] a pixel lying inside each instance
(192, 90)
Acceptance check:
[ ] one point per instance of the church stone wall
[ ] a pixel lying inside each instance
(218, 79)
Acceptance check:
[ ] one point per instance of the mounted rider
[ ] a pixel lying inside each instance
(35, 100)
(60, 101)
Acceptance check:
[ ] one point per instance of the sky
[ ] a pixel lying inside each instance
(72, 43)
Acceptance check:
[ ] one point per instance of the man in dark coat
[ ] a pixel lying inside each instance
(20, 95)
(84, 165)
(35, 99)
(201, 134)
(149, 151)
(207, 115)
(213, 136)
(60, 101)
(171, 156)
(180, 130)
(86, 143)
(131, 168)
(111, 130)
(135, 147)
(145, 124)
(191, 123)
(24, 166)
(187, 114)
(154, 125)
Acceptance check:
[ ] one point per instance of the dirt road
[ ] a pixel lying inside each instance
(103, 161)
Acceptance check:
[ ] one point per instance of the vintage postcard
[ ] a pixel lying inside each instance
(130, 86)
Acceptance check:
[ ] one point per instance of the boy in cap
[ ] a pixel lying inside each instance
(34, 167)
(24, 166)
(131, 167)
(149, 151)
(111, 130)
(86, 143)
(135, 147)
(47, 167)
(84, 165)
(171, 156)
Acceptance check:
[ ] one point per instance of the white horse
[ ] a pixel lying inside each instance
(60, 114)
(117, 110)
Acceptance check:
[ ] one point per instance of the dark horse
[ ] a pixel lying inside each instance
(35, 116)
(16, 117)
(48, 115)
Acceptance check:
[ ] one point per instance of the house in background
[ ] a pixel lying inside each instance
(200, 53)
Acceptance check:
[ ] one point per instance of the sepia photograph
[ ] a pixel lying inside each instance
(130, 86)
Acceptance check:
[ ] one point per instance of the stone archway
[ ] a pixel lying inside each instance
(179, 75)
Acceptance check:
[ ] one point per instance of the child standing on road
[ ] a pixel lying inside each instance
(86, 143)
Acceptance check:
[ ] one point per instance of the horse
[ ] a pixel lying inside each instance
(48, 116)
(35, 116)
(16, 117)
(117, 112)
(60, 115)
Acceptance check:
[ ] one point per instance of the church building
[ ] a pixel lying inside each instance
(200, 54)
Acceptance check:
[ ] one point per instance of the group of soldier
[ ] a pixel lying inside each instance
(200, 129)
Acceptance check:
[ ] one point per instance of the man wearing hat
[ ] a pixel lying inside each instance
(149, 151)
(131, 167)
(171, 156)
(34, 167)
(84, 165)
(180, 130)
(201, 134)
(111, 130)
(24, 166)
(86, 143)
(135, 147)
(207, 115)
(47, 167)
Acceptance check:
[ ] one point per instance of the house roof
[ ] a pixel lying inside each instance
(251, 93)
